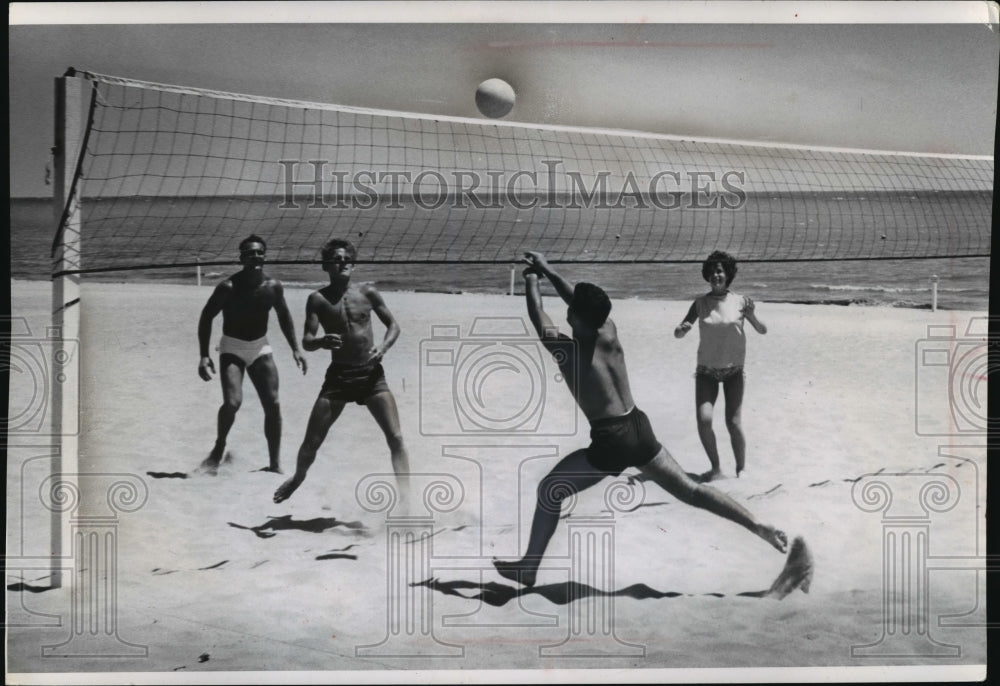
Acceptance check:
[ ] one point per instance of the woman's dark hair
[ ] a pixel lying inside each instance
(727, 261)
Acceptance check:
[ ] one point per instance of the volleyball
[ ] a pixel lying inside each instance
(494, 98)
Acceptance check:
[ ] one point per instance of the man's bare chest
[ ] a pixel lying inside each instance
(348, 312)
(258, 300)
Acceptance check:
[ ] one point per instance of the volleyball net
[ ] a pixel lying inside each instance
(169, 176)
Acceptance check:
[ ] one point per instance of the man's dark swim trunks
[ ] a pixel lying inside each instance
(620, 442)
(353, 383)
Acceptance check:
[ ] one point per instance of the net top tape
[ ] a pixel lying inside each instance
(303, 104)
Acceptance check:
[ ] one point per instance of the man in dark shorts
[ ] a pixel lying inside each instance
(355, 373)
(593, 364)
(245, 300)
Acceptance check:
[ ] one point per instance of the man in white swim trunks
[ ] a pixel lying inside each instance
(245, 300)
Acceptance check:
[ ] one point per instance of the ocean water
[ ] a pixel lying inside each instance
(963, 282)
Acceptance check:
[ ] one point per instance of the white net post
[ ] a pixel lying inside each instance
(64, 383)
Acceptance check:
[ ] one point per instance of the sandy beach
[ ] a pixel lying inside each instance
(210, 576)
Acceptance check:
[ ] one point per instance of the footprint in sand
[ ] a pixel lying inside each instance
(316, 525)
(765, 493)
(339, 553)
(421, 539)
(215, 566)
(337, 556)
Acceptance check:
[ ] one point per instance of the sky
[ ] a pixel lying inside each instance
(927, 87)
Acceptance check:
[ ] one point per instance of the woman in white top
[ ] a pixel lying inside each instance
(721, 352)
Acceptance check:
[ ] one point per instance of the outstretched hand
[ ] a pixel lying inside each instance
(535, 260)
(205, 367)
(748, 311)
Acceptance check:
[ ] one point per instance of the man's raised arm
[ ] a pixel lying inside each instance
(538, 262)
(541, 321)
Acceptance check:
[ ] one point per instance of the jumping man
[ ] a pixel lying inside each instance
(355, 373)
(593, 363)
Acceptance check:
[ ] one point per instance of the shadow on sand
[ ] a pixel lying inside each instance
(316, 525)
(29, 588)
(168, 475)
(497, 594)
(796, 574)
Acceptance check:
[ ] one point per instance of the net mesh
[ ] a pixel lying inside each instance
(171, 175)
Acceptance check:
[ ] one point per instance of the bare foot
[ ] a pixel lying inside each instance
(775, 537)
(272, 469)
(711, 475)
(518, 571)
(210, 465)
(286, 489)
